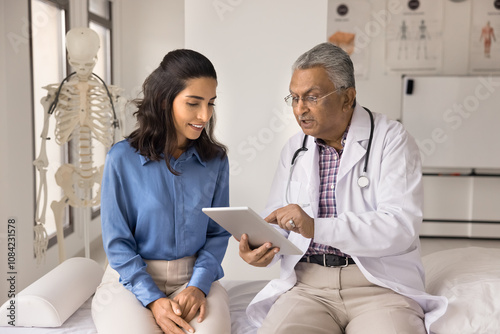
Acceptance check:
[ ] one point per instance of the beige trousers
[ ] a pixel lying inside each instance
(116, 310)
(341, 300)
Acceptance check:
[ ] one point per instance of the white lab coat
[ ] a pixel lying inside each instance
(377, 225)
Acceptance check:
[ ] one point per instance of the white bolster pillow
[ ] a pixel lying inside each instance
(52, 299)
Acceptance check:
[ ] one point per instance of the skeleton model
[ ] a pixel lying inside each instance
(84, 110)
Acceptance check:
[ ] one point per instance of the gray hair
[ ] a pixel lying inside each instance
(334, 60)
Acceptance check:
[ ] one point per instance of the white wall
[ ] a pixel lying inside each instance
(252, 46)
(144, 32)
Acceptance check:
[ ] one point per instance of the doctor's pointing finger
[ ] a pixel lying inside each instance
(292, 218)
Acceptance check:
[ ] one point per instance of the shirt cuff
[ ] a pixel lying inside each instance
(202, 279)
(147, 293)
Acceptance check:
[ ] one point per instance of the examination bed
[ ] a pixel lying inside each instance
(468, 277)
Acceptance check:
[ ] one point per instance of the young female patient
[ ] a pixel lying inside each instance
(164, 253)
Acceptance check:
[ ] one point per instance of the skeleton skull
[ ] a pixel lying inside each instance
(82, 45)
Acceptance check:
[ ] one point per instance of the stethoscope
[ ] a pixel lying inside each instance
(363, 180)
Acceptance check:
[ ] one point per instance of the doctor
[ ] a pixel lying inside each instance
(351, 199)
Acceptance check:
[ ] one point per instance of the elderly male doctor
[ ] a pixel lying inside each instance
(360, 271)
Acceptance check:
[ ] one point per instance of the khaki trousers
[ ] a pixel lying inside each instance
(341, 300)
(116, 310)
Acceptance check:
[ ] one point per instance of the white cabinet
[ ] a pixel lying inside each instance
(461, 206)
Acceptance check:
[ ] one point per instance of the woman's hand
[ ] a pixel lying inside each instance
(259, 257)
(190, 300)
(168, 316)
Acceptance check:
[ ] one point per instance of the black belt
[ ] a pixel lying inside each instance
(328, 260)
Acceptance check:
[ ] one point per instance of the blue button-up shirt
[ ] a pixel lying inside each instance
(149, 213)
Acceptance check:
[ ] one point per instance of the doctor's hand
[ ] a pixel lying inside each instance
(168, 316)
(258, 257)
(292, 218)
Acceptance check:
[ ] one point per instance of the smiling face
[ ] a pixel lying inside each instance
(329, 118)
(193, 107)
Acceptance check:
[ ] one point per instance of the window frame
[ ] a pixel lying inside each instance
(106, 23)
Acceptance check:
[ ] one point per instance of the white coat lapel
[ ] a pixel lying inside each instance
(312, 172)
(354, 151)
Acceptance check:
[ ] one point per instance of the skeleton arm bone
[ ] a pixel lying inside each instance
(42, 162)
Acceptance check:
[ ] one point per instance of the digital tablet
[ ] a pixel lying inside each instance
(241, 220)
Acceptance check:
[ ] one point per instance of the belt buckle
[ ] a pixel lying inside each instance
(332, 266)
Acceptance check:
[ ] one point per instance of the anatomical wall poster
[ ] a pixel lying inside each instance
(414, 36)
(349, 27)
(484, 46)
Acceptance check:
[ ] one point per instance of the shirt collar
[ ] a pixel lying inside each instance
(191, 151)
(143, 159)
(322, 144)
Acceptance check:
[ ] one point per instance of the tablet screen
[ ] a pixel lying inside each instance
(241, 220)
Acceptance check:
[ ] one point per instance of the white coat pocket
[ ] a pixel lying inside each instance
(297, 194)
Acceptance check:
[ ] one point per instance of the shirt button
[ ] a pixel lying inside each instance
(332, 186)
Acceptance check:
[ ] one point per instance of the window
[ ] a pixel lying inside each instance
(99, 14)
(100, 22)
(48, 27)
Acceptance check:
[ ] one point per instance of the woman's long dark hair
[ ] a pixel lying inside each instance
(156, 134)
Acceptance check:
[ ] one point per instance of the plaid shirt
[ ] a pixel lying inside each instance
(329, 162)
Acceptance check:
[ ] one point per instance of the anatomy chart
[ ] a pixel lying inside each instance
(484, 47)
(414, 36)
(350, 27)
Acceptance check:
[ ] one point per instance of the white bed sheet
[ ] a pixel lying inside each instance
(240, 295)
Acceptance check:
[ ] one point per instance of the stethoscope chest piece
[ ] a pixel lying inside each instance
(363, 181)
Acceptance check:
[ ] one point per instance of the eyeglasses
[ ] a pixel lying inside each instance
(309, 100)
